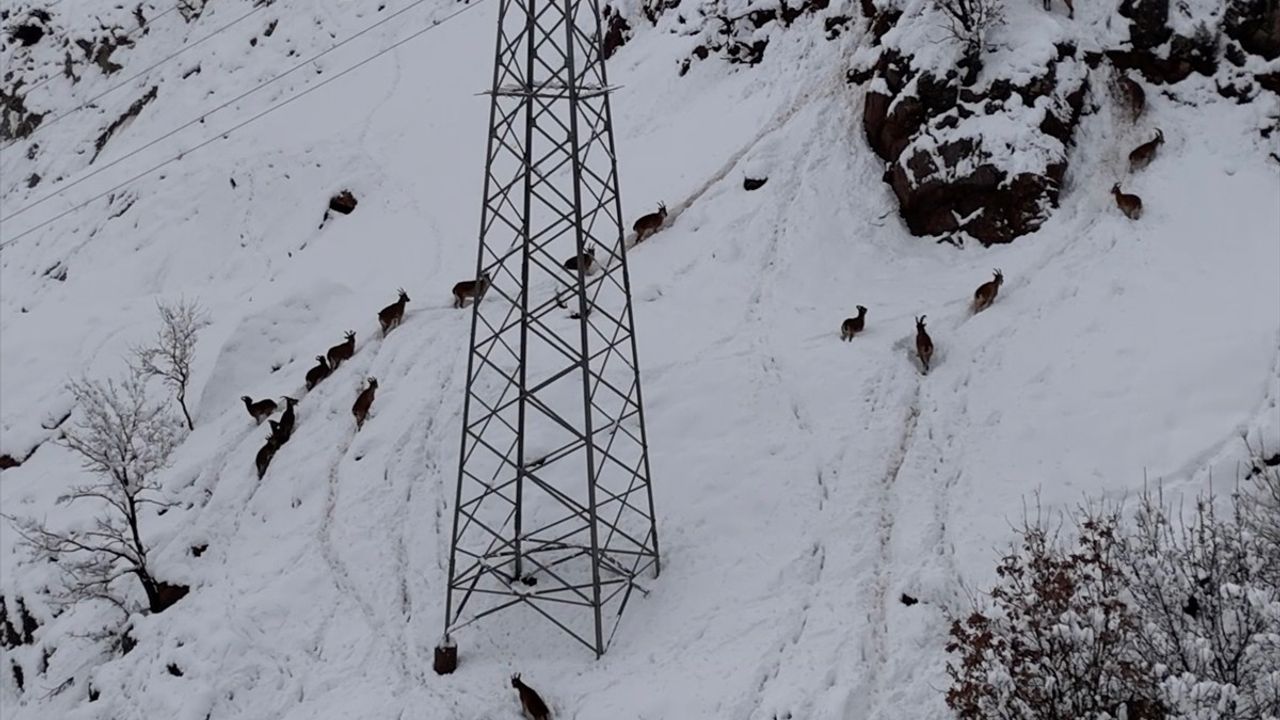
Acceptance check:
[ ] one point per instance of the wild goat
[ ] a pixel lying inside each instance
(530, 701)
(854, 325)
(260, 410)
(1132, 96)
(1145, 153)
(278, 433)
(1071, 10)
(924, 344)
(287, 418)
(318, 373)
(1130, 205)
(342, 352)
(987, 291)
(363, 402)
(390, 316)
(268, 450)
(650, 224)
(471, 289)
(587, 260)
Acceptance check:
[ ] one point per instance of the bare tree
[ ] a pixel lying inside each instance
(968, 23)
(124, 440)
(1211, 615)
(1260, 507)
(1055, 639)
(170, 356)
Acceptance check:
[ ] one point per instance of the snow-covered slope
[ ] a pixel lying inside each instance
(802, 483)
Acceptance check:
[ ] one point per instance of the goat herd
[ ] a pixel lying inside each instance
(1131, 96)
(388, 317)
(982, 299)
(1135, 101)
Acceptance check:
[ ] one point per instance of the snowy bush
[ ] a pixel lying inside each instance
(1210, 617)
(1159, 616)
(1056, 638)
(1261, 514)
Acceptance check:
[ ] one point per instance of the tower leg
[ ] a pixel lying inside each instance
(446, 660)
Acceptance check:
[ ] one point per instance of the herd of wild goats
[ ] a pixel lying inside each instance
(1134, 100)
(1131, 95)
(389, 318)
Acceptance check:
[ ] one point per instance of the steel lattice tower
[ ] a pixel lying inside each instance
(554, 509)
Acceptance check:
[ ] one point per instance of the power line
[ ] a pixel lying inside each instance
(257, 7)
(201, 118)
(128, 35)
(226, 133)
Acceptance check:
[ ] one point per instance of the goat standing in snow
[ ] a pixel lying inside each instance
(987, 291)
(532, 704)
(390, 316)
(471, 289)
(1130, 205)
(268, 451)
(287, 418)
(363, 402)
(343, 351)
(587, 261)
(924, 344)
(1132, 96)
(650, 224)
(319, 372)
(1145, 153)
(260, 410)
(854, 325)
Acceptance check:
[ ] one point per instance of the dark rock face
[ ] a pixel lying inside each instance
(945, 179)
(165, 595)
(28, 34)
(1149, 32)
(749, 183)
(734, 36)
(129, 114)
(1255, 25)
(16, 121)
(344, 202)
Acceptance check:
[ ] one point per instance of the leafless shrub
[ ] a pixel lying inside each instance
(1261, 513)
(1150, 616)
(1056, 639)
(968, 23)
(124, 440)
(169, 356)
(1211, 614)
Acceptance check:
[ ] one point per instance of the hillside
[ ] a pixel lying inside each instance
(802, 484)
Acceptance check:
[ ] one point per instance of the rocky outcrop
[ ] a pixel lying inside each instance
(986, 160)
(1255, 26)
(1159, 53)
(130, 113)
(724, 30)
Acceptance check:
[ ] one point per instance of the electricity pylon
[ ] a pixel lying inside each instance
(554, 509)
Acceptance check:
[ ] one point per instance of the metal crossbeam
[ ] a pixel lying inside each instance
(554, 507)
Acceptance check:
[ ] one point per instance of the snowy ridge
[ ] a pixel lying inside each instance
(802, 484)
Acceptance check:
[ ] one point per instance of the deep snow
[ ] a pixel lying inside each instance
(802, 484)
